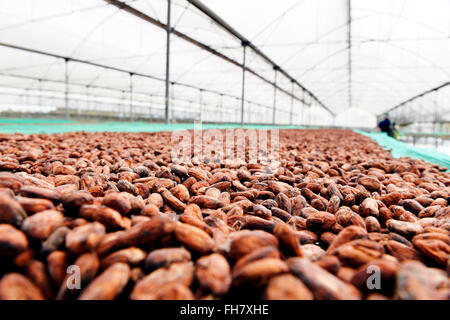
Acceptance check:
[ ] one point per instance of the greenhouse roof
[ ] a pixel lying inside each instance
(330, 54)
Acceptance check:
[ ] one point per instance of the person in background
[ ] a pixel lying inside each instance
(394, 130)
(385, 125)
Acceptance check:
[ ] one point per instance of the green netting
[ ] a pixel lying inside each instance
(50, 126)
(21, 121)
(400, 149)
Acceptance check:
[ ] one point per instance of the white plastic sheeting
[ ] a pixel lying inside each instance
(392, 50)
(355, 117)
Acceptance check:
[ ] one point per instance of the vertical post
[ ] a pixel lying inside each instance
(349, 22)
(292, 102)
(302, 112)
(436, 108)
(40, 91)
(131, 96)
(244, 47)
(66, 81)
(221, 107)
(88, 101)
(274, 94)
(237, 115)
(201, 104)
(168, 30)
(150, 108)
(313, 113)
(172, 99)
(124, 101)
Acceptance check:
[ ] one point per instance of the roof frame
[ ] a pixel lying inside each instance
(123, 6)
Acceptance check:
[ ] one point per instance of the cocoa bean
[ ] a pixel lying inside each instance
(172, 201)
(322, 284)
(109, 284)
(258, 273)
(14, 286)
(118, 202)
(131, 256)
(408, 229)
(245, 242)
(31, 205)
(320, 221)
(54, 241)
(11, 211)
(12, 241)
(213, 274)
(287, 287)
(165, 257)
(146, 288)
(57, 262)
(106, 216)
(84, 238)
(414, 281)
(41, 225)
(39, 192)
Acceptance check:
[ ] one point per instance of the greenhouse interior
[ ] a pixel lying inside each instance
(355, 95)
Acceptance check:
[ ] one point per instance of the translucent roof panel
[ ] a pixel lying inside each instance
(369, 55)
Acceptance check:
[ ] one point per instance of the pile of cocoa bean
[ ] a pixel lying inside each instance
(111, 216)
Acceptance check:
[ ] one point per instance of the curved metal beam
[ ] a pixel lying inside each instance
(123, 6)
(417, 96)
(245, 41)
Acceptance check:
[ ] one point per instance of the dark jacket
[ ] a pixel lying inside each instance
(385, 126)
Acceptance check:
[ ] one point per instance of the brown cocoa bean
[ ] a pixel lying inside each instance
(322, 284)
(84, 238)
(407, 229)
(194, 238)
(166, 256)
(148, 287)
(41, 225)
(110, 218)
(213, 274)
(31, 205)
(12, 241)
(109, 284)
(57, 262)
(287, 287)
(11, 211)
(320, 220)
(14, 286)
(258, 273)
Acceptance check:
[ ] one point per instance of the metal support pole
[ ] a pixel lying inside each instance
(150, 107)
(237, 108)
(304, 122)
(40, 92)
(131, 96)
(88, 102)
(172, 99)
(124, 104)
(221, 107)
(66, 91)
(292, 103)
(274, 95)
(201, 104)
(168, 30)
(244, 46)
(350, 93)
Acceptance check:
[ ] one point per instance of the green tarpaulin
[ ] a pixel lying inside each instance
(400, 149)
